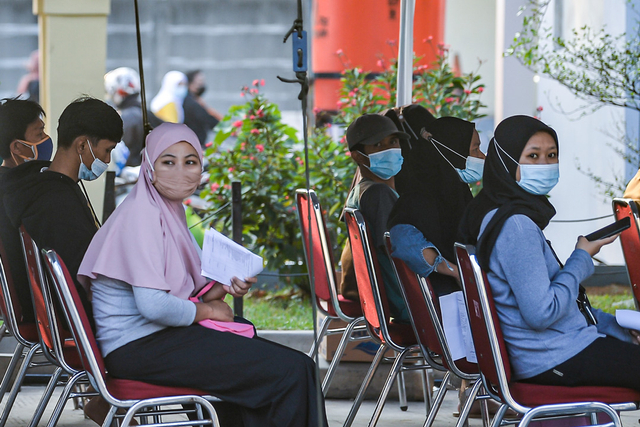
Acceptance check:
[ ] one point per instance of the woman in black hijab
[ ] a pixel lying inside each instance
(548, 338)
(434, 191)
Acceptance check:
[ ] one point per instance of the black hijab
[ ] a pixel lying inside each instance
(500, 189)
(432, 195)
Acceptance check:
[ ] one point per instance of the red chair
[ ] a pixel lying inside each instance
(321, 269)
(138, 398)
(24, 332)
(426, 320)
(630, 241)
(532, 400)
(395, 336)
(55, 340)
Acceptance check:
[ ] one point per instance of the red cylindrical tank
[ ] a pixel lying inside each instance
(365, 31)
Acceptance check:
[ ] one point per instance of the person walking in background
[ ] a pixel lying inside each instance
(198, 116)
(122, 86)
(167, 104)
(29, 84)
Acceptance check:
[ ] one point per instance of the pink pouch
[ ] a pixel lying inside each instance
(243, 329)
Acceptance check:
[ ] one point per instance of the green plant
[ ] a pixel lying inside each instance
(254, 147)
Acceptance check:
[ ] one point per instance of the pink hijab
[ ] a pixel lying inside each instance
(146, 242)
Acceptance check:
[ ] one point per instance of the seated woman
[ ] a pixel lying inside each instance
(548, 339)
(142, 267)
(434, 191)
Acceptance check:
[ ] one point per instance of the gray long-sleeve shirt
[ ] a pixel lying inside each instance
(536, 300)
(125, 313)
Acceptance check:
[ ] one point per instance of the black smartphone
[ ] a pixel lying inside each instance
(610, 229)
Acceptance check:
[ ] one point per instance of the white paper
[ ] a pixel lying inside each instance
(222, 259)
(456, 327)
(629, 319)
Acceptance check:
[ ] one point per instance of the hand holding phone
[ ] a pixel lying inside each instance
(610, 230)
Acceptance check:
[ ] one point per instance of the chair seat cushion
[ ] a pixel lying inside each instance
(351, 308)
(138, 390)
(402, 334)
(535, 394)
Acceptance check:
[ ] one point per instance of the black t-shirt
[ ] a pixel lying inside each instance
(198, 119)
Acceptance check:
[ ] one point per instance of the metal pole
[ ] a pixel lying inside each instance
(405, 53)
(236, 218)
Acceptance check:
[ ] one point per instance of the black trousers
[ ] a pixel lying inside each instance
(605, 362)
(272, 385)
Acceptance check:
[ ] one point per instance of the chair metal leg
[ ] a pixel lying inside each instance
(427, 388)
(18, 382)
(13, 364)
(324, 326)
(437, 402)
(365, 385)
(402, 392)
(464, 411)
(62, 401)
(346, 337)
(393, 373)
(46, 396)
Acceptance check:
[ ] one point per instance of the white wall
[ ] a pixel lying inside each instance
(581, 140)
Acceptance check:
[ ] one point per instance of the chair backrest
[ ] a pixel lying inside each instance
(630, 241)
(314, 233)
(10, 304)
(370, 285)
(77, 319)
(48, 316)
(487, 335)
(426, 317)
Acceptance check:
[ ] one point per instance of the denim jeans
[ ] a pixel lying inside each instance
(407, 243)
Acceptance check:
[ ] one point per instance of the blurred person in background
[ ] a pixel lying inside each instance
(197, 114)
(167, 104)
(29, 84)
(122, 86)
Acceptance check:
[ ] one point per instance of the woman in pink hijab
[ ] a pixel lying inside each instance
(143, 266)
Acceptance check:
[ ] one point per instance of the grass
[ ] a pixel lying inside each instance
(286, 309)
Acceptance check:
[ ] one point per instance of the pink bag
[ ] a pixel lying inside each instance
(244, 329)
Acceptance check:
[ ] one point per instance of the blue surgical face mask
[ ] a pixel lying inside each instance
(534, 179)
(472, 171)
(385, 164)
(539, 179)
(97, 167)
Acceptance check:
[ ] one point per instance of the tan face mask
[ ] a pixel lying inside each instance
(175, 185)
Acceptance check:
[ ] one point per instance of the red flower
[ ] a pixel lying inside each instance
(187, 202)
(242, 145)
(391, 42)
(237, 124)
(380, 63)
(260, 113)
(467, 91)
(260, 148)
(348, 153)
(252, 117)
(427, 40)
(300, 161)
(214, 187)
(539, 108)
(208, 144)
(261, 82)
(242, 94)
(480, 89)
(255, 131)
(449, 100)
(256, 82)
(231, 169)
(227, 187)
(253, 91)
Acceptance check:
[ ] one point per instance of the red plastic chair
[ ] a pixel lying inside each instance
(24, 332)
(55, 340)
(630, 241)
(328, 301)
(426, 320)
(532, 400)
(140, 399)
(395, 336)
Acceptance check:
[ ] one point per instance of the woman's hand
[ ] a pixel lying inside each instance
(214, 310)
(593, 248)
(238, 287)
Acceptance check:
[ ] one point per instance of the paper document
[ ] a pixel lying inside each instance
(456, 327)
(629, 319)
(222, 259)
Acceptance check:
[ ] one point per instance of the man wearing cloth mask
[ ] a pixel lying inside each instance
(22, 139)
(374, 143)
(46, 198)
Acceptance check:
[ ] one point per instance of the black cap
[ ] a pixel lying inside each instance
(370, 129)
